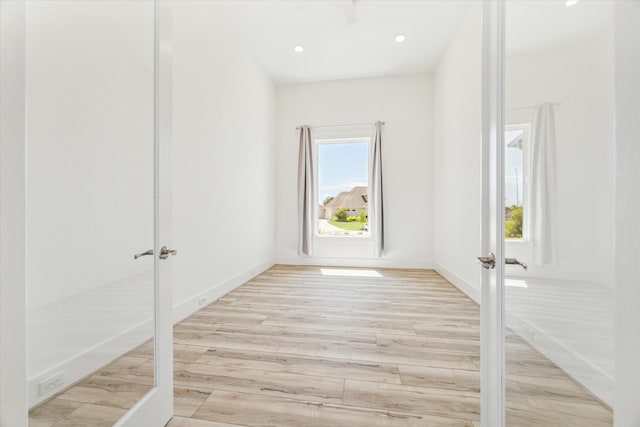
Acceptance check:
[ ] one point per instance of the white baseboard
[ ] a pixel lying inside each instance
(356, 262)
(187, 307)
(78, 367)
(470, 290)
(83, 364)
(590, 376)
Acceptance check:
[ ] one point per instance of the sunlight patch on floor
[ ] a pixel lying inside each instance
(349, 273)
(516, 283)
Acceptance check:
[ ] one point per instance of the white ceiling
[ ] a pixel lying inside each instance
(336, 50)
(538, 25)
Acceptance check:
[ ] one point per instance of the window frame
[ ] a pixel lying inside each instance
(339, 137)
(526, 177)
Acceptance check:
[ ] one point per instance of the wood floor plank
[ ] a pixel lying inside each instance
(379, 354)
(92, 415)
(337, 324)
(54, 410)
(237, 341)
(449, 345)
(271, 411)
(188, 353)
(556, 389)
(134, 369)
(415, 400)
(542, 412)
(296, 346)
(107, 391)
(321, 389)
(439, 378)
(187, 400)
(179, 421)
(301, 333)
(317, 366)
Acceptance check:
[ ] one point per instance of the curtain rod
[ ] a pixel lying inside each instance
(337, 126)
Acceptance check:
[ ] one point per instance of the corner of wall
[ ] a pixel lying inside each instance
(469, 289)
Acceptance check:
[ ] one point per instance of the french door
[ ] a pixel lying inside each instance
(90, 177)
(560, 131)
(156, 407)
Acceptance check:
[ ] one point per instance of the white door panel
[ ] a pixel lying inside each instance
(94, 139)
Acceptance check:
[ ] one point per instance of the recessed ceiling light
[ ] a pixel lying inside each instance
(570, 3)
(298, 48)
(400, 38)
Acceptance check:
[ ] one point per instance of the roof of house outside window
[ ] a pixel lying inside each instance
(356, 198)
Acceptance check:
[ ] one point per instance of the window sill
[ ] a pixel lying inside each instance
(320, 237)
(517, 241)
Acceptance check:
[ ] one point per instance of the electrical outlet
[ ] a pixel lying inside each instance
(51, 383)
(202, 301)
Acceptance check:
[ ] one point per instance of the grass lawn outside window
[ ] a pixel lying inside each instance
(351, 226)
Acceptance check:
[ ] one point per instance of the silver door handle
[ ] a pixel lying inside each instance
(149, 252)
(488, 262)
(514, 261)
(165, 252)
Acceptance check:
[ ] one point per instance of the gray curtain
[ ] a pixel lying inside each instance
(544, 186)
(306, 198)
(376, 206)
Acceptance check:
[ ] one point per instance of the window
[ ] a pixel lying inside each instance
(516, 181)
(343, 187)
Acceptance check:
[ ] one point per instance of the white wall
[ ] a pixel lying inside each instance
(627, 65)
(580, 77)
(405, 104)
(223, 158)
(457, 157)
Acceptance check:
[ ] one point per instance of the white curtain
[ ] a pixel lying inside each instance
(544, 186)
(306, 198)
(376, 207)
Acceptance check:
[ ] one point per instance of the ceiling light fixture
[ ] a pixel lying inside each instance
(298, 48)
(400, 38)
(570, 3)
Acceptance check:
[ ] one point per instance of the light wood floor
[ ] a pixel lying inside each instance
(294, 347)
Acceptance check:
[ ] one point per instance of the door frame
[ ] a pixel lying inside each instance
(492, 307)
(13, 316)
(156, 407)
(627, 250)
